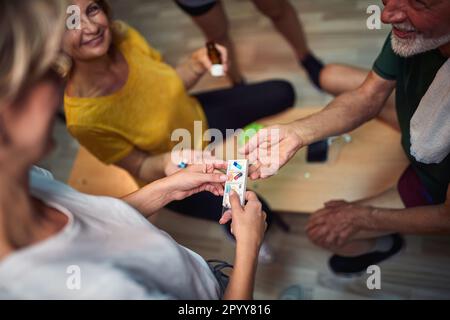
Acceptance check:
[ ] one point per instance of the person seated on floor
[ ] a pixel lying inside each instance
(336, 79)
(210, 17)
(48, 229)
(415, 62)
(332, 78)
(123, 103)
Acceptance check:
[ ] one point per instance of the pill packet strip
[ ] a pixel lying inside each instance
(237, 172)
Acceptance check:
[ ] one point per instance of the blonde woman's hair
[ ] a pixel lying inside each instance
(63, 64)
(30, 39)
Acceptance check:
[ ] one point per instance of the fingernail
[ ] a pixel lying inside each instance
(223, 178)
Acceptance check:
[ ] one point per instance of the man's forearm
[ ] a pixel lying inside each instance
(419, 220)
(345, 113)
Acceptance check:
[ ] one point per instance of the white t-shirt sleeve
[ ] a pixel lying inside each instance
(40, 172)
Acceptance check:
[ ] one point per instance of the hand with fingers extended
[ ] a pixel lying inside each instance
(194, 160)
(178, 186)
(248, 223)
(270, 149)
(196, 179)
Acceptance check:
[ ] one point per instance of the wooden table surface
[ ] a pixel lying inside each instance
(369, 164)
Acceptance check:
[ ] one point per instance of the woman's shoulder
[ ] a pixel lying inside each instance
(122, 31)
(127, 38)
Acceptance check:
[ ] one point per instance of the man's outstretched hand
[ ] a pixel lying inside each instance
(270, 149)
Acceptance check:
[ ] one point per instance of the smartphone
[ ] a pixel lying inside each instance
(237, 173)
(318, 152)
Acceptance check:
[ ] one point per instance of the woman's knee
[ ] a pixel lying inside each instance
(283, 93)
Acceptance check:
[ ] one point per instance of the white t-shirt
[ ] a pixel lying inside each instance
(107, 250)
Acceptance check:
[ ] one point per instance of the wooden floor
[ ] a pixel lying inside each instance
(336, 30)
(337, 33)
(421, 271)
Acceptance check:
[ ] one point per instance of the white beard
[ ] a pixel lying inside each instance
(419, 44)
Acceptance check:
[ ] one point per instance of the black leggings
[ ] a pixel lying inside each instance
(234, 109)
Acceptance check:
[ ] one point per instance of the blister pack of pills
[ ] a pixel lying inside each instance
(237, 172)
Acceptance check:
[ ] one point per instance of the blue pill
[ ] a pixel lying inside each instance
(237, 165)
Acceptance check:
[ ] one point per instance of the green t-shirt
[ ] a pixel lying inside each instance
(414, 76)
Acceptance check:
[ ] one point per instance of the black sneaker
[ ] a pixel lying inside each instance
(349, 266)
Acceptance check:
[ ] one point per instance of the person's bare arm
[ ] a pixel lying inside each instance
(418, 220)
(343, 114)
(242, 280)
(143, 166)
(149, 168)
(248, 226)
(347, 112)
(341, 221)
(190, 72)
(150, 198)
(178, 186)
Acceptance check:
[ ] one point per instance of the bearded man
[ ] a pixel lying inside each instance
(413, 62)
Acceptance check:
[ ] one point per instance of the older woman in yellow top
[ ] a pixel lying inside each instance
(123, 102)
